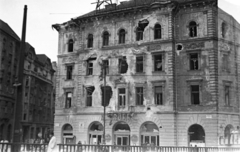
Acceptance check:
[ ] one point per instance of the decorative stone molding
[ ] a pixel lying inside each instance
(193, 46)
(69, 59)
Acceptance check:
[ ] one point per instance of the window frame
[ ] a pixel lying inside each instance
(139, 63)
(70, 45)
(69, 74)
(154, 55)
(122, 96)
(139, 96)
(89, 70)
(190, 61)
(105, 38)
(227, 84)
(157, 30)
(194, 82)
(139, 34)
(68, 100)
(122, 36)
(192, 29)
(224, 29)
(89, 98)
(161, 84)
(90, 41)
(195, 93)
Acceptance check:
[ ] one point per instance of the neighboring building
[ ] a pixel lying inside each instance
(38, 96)
(9, 57)
(172, 75)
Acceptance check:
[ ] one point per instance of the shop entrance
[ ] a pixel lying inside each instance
(196, 135)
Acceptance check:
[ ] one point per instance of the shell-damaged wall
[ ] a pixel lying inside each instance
(132, 48)
(228, 58)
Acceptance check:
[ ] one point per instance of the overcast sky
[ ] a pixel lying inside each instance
(43, 13)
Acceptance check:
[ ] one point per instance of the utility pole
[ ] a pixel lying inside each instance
(17, 115)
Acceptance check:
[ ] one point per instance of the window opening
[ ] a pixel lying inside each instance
(69, 72)
(194, 64)
(90, 66)
(195, 95)
(90, 91)
(106, 38)
(108, 92)
(149, 134)
(158, 95)
(196, 135)
(68, 102)
(123, 66)
(139, 64)
(158, 62)
(226, 95)
(139, 31)
(122, 34)
(70, 45)
(90, 41)
(224, 29)
(121, 97)
(157, 31)
(192, 29)
(139, 95)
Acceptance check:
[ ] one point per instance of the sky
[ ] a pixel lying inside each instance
(42, 14)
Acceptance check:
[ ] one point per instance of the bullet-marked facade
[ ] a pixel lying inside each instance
(9, 57)
(172, 75)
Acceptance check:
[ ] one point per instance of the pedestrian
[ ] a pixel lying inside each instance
(52, 145)
(79, 146)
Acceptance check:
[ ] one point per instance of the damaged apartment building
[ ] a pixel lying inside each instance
(170, 71)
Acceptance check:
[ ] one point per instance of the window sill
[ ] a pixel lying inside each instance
(139, 73)
(198, 70)
(157, 72)
(68, 79)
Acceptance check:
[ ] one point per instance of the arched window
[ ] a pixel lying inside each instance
(67, 134)
(95, 133)
(196, 135)
(224, 29)
(70, 45)
(139, 34)
(121, 134)
(122, 34)
(149, 134)
(90, 41)
(157, 31)
(192, 29)
(228, 136)
(106, 38)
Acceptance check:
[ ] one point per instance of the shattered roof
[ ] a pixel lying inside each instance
(5, 27)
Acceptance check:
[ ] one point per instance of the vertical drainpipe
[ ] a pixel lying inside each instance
(17, 114)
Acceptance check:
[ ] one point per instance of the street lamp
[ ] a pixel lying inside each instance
(104, 100)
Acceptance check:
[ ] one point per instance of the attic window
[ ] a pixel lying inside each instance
(123, 66)
(139, 31)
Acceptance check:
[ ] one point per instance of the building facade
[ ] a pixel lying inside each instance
(172, 75)
(38, 96)
(9, 57)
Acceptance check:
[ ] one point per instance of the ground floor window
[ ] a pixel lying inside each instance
(149, 134)
(95, 133)
(67, 134)
(196, 136)
(121, 134)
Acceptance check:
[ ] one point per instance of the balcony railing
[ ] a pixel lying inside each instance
(21, 147)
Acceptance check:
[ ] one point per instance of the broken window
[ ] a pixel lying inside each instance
(157, 31)
(139, 34)
(106, 64)
(123, 66)
(139, 95)
(195, 95)
(224, 29)
(90, 66)
(139, 31)
(69, 72)
(194, 64)
(70, 45)
(122, 34)
(226, 95)
(158, 62)
(106, 38)
(196, 134)
(192, 29)
(90, 41)
(68, 101)
(90, 91)
(121, 97)
(108, 93)
(158, 95)
(139, 64)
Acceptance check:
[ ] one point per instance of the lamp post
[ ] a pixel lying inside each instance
(104, 101)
